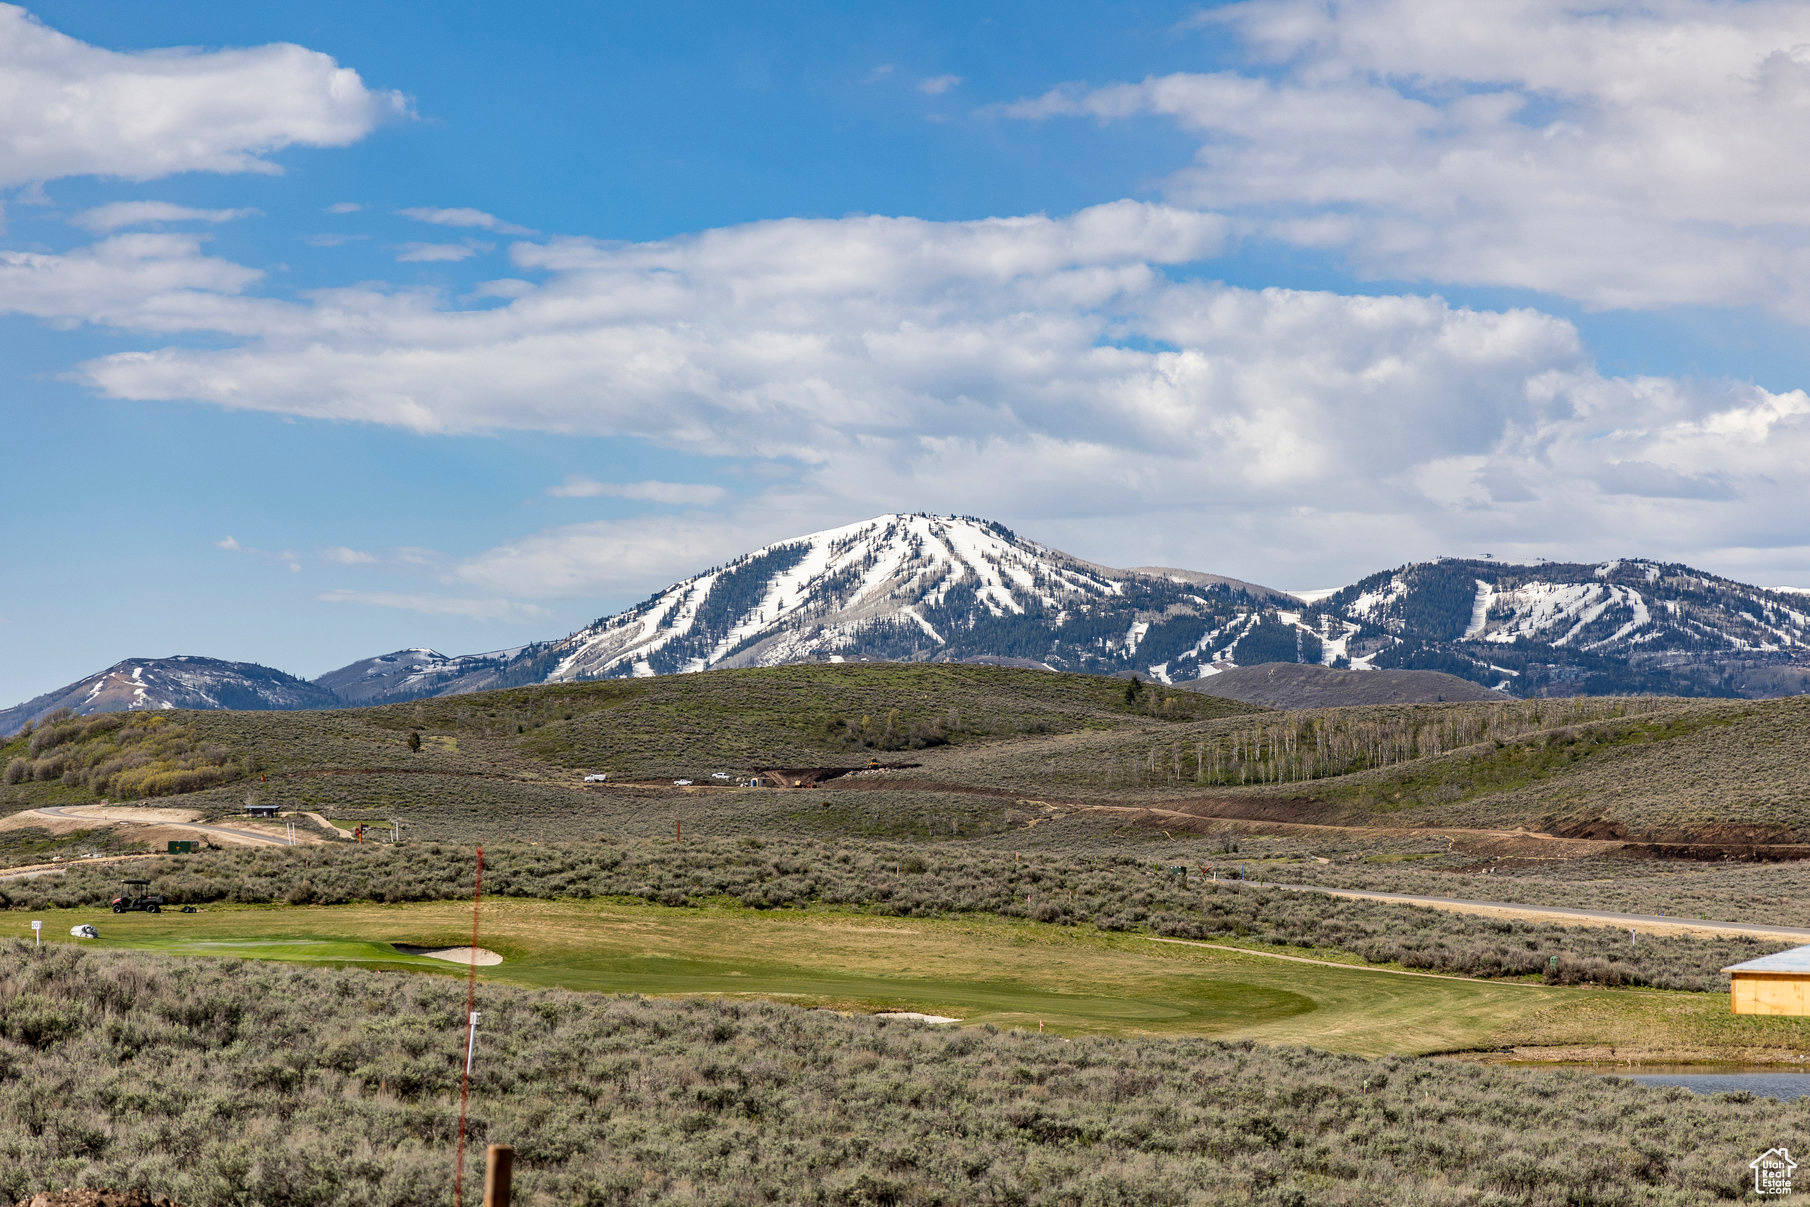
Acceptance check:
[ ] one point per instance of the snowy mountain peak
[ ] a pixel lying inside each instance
(895, 578)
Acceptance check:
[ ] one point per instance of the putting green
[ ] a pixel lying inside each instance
(981, 970)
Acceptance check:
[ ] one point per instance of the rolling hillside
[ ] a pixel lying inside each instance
(1300, 685)
(1643, 769)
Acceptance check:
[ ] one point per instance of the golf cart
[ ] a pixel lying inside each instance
(137, 895)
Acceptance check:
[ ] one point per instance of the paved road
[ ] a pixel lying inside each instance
(61, 811)
(1599, 917)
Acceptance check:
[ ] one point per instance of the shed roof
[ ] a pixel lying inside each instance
(1796, 959)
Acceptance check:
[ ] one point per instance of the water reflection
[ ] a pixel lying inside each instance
(1762, 1083)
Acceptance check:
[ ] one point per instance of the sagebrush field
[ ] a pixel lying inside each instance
(227, 1082)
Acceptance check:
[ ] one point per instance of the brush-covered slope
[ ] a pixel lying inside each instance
(484, 745)
(1298, 685)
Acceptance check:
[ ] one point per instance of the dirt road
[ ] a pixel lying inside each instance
(1651, 923)
(116, 817)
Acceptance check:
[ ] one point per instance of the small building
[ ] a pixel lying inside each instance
(261, 810)
(1774, 984)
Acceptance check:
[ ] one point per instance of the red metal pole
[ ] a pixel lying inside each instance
(471, 1001)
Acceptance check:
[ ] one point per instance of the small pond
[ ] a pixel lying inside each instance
(1762, 1081)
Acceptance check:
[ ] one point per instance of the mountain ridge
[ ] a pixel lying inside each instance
(918, 587)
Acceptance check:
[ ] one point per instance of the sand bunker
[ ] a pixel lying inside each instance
(455, 955)
(916, 1017)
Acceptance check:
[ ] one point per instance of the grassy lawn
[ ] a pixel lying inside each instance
(982, 970)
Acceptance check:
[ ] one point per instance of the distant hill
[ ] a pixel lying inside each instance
(1295, 685)
(179, 682)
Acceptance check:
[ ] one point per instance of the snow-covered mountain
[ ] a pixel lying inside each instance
(180, 682)
(922, 587)
(900, 587)
(909, 587)
(415, 674)
(1615, 626)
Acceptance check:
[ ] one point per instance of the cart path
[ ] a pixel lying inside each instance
(1560, 913)
(60, 812)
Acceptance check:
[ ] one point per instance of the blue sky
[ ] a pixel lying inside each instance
(1281, 290)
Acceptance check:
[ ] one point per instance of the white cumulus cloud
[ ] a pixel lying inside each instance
(464, 217)
(577, 486)
(157, 282)
(1066, 374)
(71, 109)
(610, 558)
(1624, 154)
(439, 253)
(431, 604)
(118, 214)
(346, 556)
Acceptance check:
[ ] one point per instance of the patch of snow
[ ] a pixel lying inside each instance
(1486, 594)
(1637, 605)
(1316, 595)
(1370, 604)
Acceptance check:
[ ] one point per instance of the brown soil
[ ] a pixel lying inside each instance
(156, 827)
(97, 1198)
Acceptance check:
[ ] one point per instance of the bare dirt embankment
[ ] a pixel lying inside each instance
(155, 826)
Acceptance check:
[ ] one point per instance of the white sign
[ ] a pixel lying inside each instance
(37, 931)
(1772, 1171)
(471, 1043)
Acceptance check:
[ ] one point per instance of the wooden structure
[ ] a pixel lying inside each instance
(1774, 984)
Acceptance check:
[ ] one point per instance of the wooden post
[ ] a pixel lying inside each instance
(497, 1171)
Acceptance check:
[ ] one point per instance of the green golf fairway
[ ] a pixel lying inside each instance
(981, 970)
